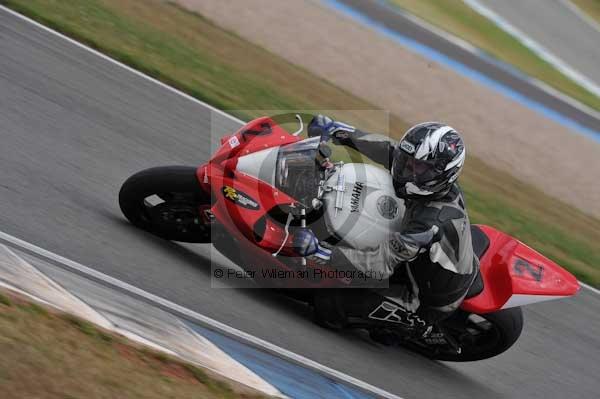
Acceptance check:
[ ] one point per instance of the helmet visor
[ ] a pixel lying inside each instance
(405, 168)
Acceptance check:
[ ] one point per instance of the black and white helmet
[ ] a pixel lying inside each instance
(427, 161)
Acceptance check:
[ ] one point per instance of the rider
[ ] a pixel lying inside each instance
(434, 243)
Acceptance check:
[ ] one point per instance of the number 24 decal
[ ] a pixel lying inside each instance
(520, 266)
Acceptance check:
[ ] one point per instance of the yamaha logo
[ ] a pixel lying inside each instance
(356, 193)
(387, 207)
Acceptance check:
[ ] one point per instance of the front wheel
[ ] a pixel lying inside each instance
(478, 336)
(166, 201)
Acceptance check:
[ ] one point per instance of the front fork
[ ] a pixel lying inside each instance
(203, 176)
(204, 209)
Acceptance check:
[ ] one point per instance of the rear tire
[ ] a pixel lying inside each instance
(502, 329)
(176, 217)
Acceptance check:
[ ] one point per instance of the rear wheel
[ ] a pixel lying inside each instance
(478, 336)
(166, 201)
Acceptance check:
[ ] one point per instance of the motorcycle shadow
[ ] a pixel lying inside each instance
(203, 260)
(207, 260)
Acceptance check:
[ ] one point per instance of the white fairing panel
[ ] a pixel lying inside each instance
(523, 299)
(260, 164)
(370, 210)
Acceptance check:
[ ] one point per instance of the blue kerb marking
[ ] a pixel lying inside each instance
(463, 69)
(291, 379)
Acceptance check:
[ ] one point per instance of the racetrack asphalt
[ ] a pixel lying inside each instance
(74, 126)
(555, 26)
(386, 15)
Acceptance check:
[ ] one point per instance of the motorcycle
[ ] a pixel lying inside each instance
(264, 182)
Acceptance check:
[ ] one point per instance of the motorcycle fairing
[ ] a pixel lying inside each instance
(515, 274)
(257, 135)
(257, 234)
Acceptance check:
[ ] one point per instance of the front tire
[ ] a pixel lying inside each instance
(165, 201)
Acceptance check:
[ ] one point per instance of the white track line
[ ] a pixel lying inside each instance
(581, 14)
(589, 287)
(536, 47)
(452, 38)
(204, 320)
(465, 45)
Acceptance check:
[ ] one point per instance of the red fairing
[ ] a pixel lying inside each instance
(240, 219)
(241, 202)
(257, 135)
(228, 186)
(511, 269)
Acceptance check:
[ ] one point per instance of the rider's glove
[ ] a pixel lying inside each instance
(327, 128)
(306, 244)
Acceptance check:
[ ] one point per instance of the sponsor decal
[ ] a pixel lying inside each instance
(233, 141)
(521, 266)
(387, 207)
(408, 147)
(393, 313)
(240, 198)
(355, 200)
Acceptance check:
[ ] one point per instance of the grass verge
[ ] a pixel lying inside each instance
(49, 354)
(456, 17)
(189, 52)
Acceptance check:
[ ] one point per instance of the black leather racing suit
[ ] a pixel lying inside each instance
(437, 274)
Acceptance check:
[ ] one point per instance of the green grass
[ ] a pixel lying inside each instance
(50, 354)
(4, 300)
(456, 17)
(189, 52)
(590, 7)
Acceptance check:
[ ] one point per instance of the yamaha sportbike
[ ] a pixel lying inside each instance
(264, 182)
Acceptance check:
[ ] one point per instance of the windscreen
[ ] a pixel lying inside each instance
(297, 172)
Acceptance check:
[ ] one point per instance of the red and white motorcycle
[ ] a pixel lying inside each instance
(264, 182)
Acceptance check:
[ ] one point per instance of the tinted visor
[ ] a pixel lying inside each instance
(405, 168)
